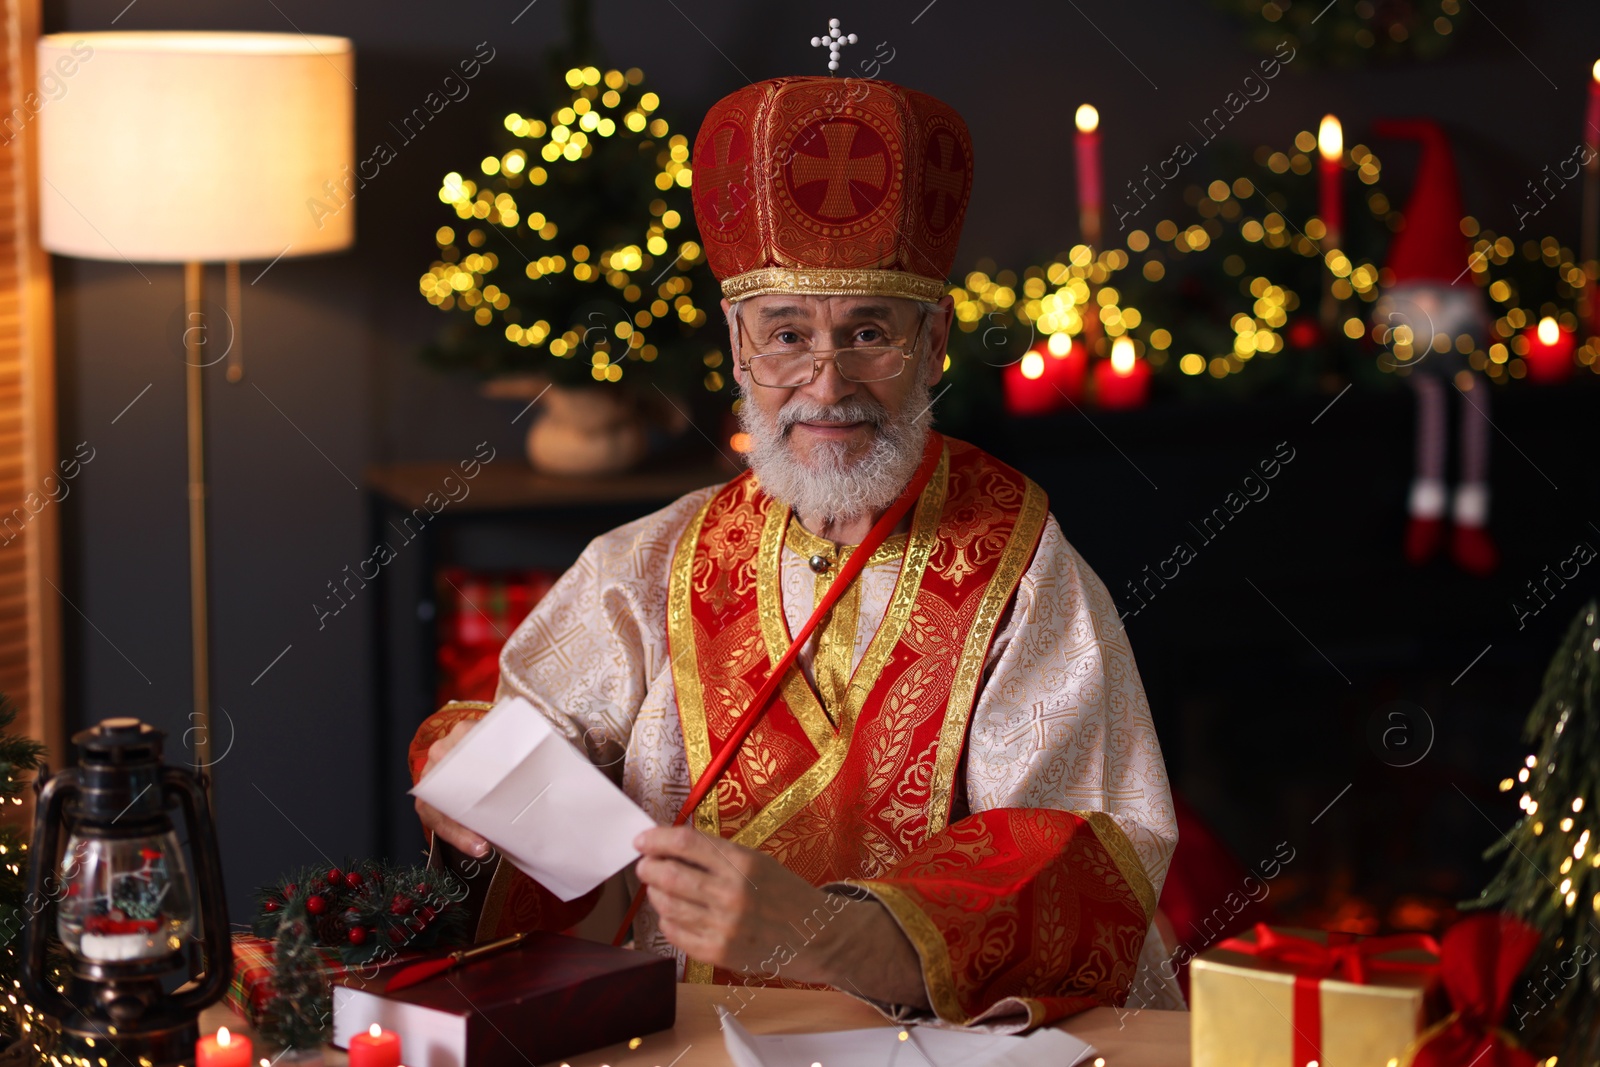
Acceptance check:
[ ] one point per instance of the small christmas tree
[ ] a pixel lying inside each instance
(19, 756)
(1550, 877)
(299, 1013)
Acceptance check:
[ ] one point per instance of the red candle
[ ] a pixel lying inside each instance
(1549, 355)
(1123, 381)
(1043, 381)
(375, 1048)
(1330, 145)
(1088, 156)
(1591, 122)
(223, 1050)
(1591, 194)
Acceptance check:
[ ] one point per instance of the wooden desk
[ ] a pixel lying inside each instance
(1138, 1039)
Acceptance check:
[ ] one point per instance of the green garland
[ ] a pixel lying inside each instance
(1228, 299)
(1351, 33)
(322, 920)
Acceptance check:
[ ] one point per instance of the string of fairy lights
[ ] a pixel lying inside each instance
(1079, 298)
(1083, 297)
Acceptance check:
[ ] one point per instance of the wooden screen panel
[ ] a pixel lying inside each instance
(30, 604)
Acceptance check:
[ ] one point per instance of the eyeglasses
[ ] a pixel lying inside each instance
(791, 368)
(786, 370)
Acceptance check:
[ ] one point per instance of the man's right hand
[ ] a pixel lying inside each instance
(433, 819)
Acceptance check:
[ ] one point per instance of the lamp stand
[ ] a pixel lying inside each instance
(194, 343)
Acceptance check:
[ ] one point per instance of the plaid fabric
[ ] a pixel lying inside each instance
(251, 987)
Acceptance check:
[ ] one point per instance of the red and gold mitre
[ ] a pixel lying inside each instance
(831, 186)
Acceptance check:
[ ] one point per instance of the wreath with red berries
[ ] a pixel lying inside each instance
(366, 909)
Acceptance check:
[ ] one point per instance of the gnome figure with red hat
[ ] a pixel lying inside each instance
(1435, 296)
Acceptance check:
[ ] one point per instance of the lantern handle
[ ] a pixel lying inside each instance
(53, 790)
(216, 943)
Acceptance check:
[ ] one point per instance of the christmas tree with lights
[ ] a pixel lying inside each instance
(1551, 873)
(572, 252)
(19, 756)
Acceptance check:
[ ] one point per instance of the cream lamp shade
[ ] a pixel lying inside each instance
(170, 147)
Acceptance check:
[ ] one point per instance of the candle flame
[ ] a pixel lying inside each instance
(1087, 118)
(375, 1030)
(1549, 332)
(1032, 365)
(1596, 71)
(1122, 356)
(1330, 138)
(223, 1037)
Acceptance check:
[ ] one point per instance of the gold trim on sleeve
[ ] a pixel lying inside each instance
(686, 668)
(810, 784)
(938, 977)
(494, 901)
(1002, 585)
(697, 972)
(1122, 854)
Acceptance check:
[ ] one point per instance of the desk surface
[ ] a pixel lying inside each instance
(1137, 1039)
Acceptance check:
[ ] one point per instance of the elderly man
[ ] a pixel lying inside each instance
(953, 801)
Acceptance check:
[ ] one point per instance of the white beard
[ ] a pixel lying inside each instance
(832, 484)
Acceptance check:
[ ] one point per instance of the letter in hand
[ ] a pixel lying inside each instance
(437, 822)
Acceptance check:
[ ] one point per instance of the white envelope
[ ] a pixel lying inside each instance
(520, 785)
(882, 1046)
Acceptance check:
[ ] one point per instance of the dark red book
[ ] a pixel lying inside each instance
(550, 997)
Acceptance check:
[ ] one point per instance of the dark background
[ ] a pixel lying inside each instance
(1263, 696)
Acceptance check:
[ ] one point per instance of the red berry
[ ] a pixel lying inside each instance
(353, 880)
(335, 876)
(396, 934)
(290, 890)
(357, 935)
(428, 914)
(270, 905)
(421, 888)
(401, 905)
(316, 905)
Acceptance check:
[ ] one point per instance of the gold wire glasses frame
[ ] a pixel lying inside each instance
(792, 369)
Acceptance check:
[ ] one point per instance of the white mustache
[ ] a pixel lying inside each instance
(856, 409)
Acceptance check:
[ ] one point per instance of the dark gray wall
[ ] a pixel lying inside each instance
(333, 384)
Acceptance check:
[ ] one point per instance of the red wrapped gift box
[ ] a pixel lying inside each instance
(479, 613)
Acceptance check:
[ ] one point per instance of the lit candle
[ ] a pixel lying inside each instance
(1088, 155)
(375, 1048)
(1028, 389)
(1549, 355)
(223, 1050)
(1591, 197)
(1591, 125)
(1330, 144)
(1123, 381)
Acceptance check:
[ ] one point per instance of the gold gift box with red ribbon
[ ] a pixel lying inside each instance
(1293, 998)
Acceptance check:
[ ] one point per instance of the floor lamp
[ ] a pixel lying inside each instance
(195, 148)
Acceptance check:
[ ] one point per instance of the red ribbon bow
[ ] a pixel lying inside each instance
(1482, 957)
(1341, 956)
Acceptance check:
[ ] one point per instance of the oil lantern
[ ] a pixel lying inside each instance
(135, 923)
